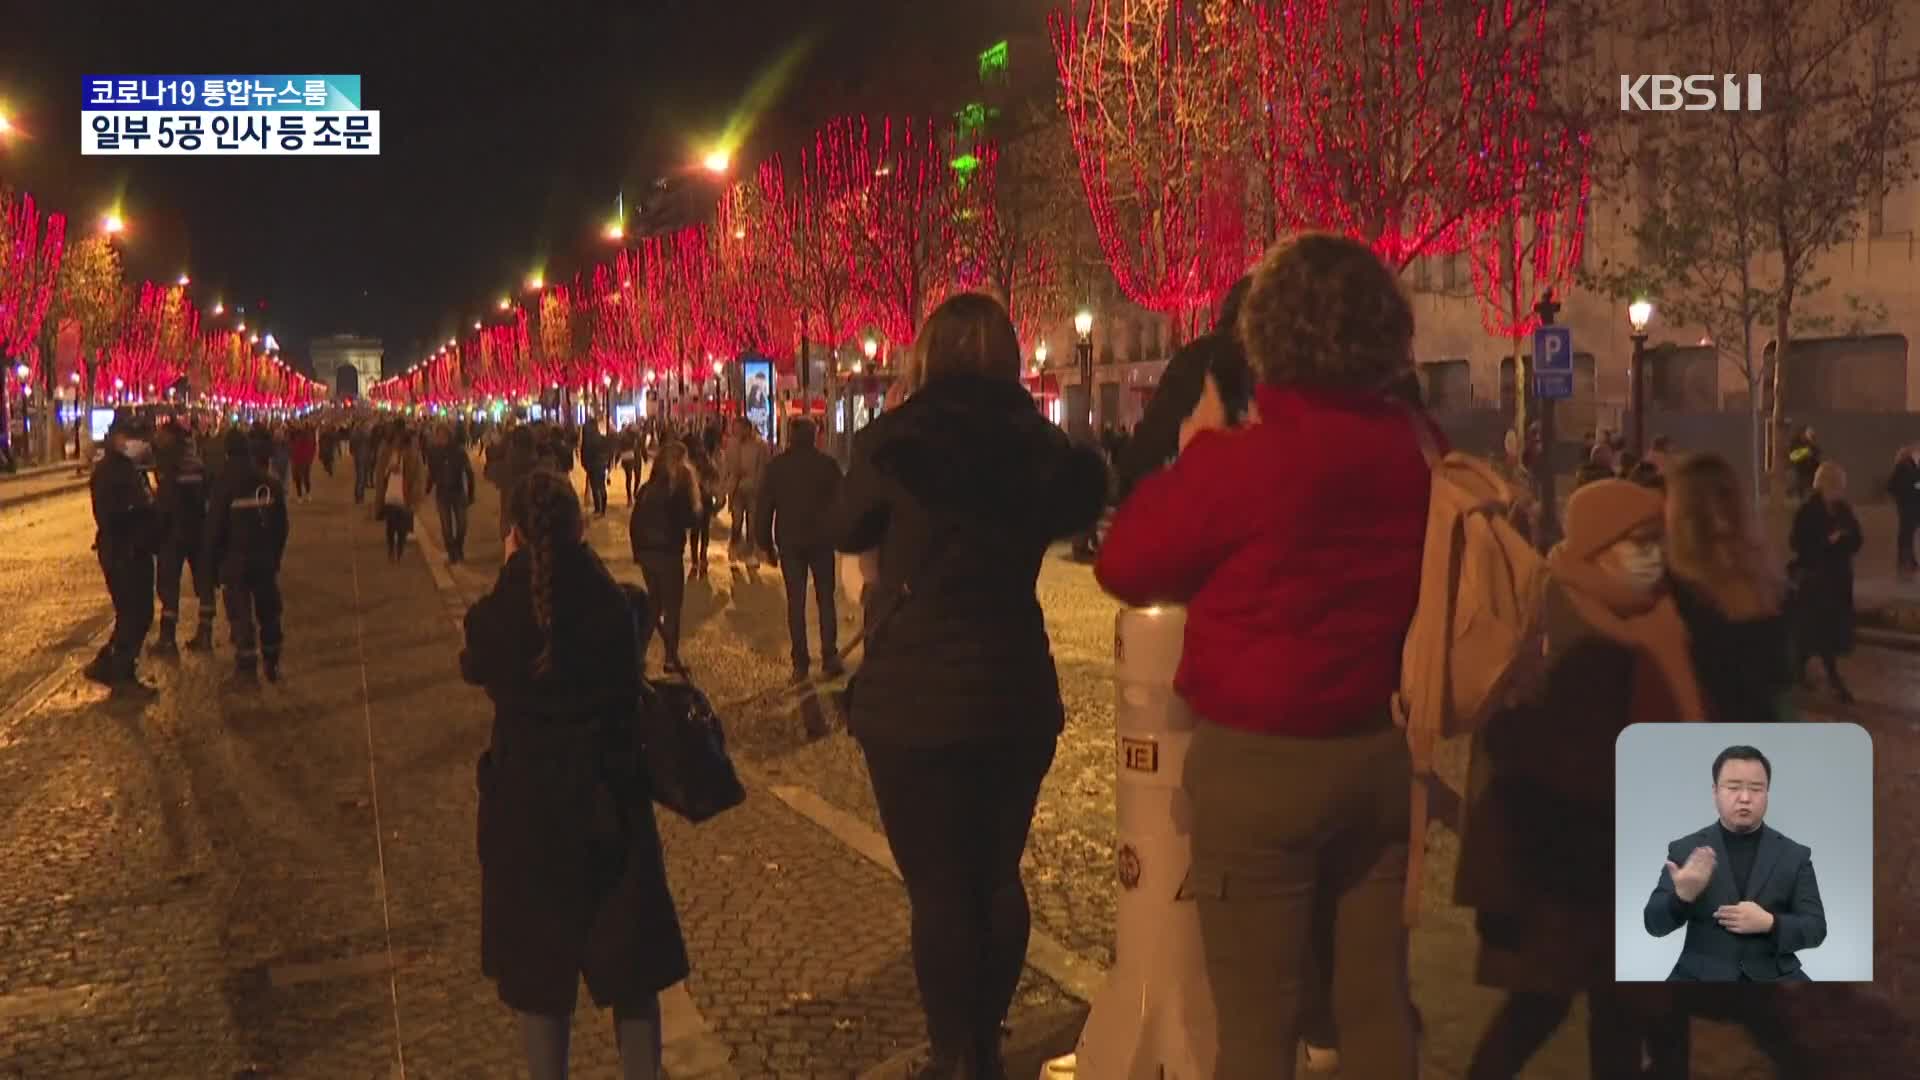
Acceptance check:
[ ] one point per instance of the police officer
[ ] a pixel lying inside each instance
(246, 537)
(181, 495)
(125, 537)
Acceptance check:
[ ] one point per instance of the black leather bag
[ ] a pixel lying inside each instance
(687, 765)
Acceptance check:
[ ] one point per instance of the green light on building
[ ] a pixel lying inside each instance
(993, 61)
(965, 164)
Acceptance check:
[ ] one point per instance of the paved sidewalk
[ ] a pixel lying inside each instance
(37, 482)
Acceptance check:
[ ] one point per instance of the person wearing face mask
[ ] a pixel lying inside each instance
(126, 540)
(1543, 893)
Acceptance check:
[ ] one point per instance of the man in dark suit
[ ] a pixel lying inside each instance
(1745, 892)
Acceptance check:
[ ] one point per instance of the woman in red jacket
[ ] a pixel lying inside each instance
(1295, 544)
(305, 447)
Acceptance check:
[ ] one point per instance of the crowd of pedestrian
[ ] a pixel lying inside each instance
(1300, 571)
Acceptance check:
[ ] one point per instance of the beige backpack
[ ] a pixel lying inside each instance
(1476, 635)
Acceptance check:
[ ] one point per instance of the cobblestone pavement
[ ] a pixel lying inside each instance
(50, 586)
(737, 643)
(280, 881)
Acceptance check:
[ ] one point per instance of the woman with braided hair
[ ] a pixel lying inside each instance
(572, 882)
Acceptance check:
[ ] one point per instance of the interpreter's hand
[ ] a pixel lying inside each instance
(1745, 917)
(1690, 881)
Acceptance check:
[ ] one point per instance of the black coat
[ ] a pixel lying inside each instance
(180, 494)
(1903, 487)
(246, 521)
(1156, 439)
(126, 525)
(1781, 881)
(1822, 573)
(572, 881)
(450, 474)
(962, 489)
(795, 496)
(662, 514)
(1536, 846)
(1744, 666)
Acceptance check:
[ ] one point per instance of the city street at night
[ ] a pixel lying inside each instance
(211, 882)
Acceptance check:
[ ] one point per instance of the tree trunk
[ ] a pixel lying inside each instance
(1776, 458)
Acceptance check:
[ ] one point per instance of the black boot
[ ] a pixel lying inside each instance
(167, 645)
(270, 666)
(940, 1067)
(100, 668)
(246, 671)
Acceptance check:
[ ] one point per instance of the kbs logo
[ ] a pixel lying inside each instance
(1689, 93)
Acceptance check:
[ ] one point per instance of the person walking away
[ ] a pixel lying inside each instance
(1903, 487)
(1298, 606)
(1598, 466)
(515, 460)
(328, 445)
(450, 482)
(1729, 591)
(629, 451)
(1826, 536)
(708, 475)
(572, 882)
(595, 450)
(956, 706)
(402, 483)
(664, 508)
(795, 497)
(362, 449)
(1804, 458)
(181, 500)
(303, 448)
(246, 539)
(1616, 655)
(746, 467)
(126, 527)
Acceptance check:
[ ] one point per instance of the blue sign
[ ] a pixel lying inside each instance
(1553, 363)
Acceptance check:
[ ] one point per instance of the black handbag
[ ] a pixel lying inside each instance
(686, 752)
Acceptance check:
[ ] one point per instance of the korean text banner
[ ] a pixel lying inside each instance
(221, 93)
(220, 133)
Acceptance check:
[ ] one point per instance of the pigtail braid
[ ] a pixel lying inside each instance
(541, 551)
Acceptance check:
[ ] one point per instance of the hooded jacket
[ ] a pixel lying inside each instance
(962, 489)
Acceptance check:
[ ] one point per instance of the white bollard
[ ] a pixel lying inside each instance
(1154, 1019)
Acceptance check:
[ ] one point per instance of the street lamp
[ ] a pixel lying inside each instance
(113, 224)
(536, 282)
(717, 162)
(185, 281)
(1639, 314)
(1040, 355)
(6, 125)
(219, 308)
(871, 348)
(1083, 349)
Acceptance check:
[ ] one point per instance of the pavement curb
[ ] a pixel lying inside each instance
(1027, 1046)
(9, 502)
(1888, 639)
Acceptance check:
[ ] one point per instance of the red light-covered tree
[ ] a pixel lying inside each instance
(1392, 121)
(818, 237)
(1014, 252)
(907, 217)
(158, 343)
(1527, 243)
(31, 243)
(1154, 96)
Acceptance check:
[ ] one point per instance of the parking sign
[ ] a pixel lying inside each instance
(1553, 363)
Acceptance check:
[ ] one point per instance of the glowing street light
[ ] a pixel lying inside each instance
(113, 225)
(616, 231)
(740, 232)
(870, 347)
(253, 339)
(1639, 314)
(536, 282)
(21, 371)
(185, 281)
(505, 303)
(1083, 323)
(6, 125)
(718, 367)
(718, 162)
(219, 308)
(451, 343)
(241, 329)
(476, 324)
(1040, 354)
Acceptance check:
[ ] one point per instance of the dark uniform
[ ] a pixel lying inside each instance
(246, 537)
(126, 527)
(181, 495)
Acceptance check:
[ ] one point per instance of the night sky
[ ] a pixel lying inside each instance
(506, 132)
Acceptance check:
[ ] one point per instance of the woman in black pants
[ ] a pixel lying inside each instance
(663, 510)
(707, 477)
(962, 489)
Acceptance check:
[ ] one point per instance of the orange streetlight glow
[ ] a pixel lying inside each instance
(718, 162)
(113, 225)
(6, 125)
